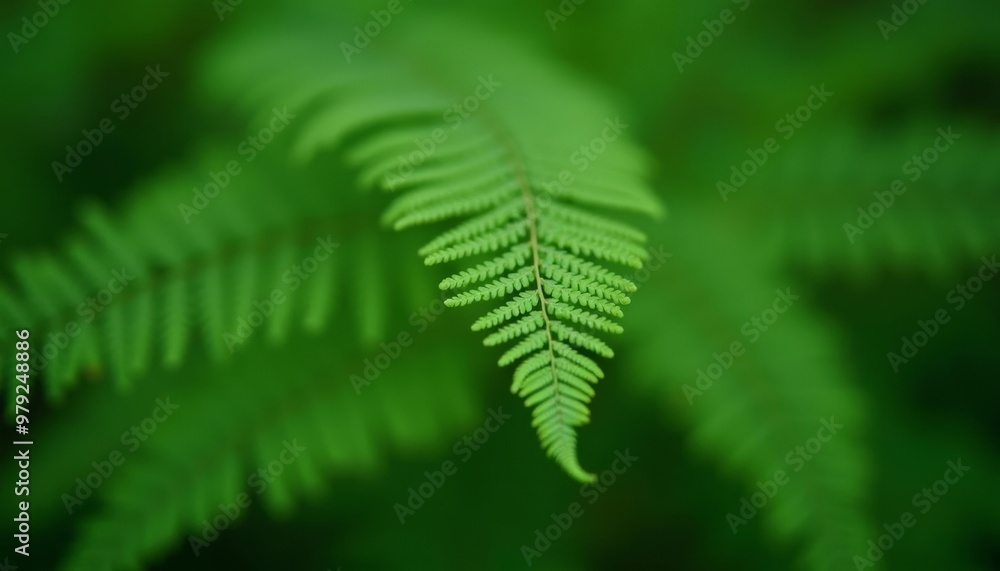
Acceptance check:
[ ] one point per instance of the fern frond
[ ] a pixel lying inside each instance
(771, 400)
(947, 216)
(197, 274)
(507, 170)
(543, 246)
(162, 496)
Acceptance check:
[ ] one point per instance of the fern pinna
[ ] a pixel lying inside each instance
(524, 154)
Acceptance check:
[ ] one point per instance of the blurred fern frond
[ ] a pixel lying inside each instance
(230, 434)
(136, 288)
(769, 397)
(943, 214)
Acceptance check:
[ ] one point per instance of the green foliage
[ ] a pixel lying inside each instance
(497, 168)
(771, 399)
(548, 238)
(210, 454)
(938, 220)
(195, 275)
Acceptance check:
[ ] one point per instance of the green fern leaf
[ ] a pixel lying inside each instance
(530, 228)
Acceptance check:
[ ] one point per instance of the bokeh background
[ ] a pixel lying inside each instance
(892, 89)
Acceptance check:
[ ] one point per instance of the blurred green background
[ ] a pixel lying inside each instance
(699, 109)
